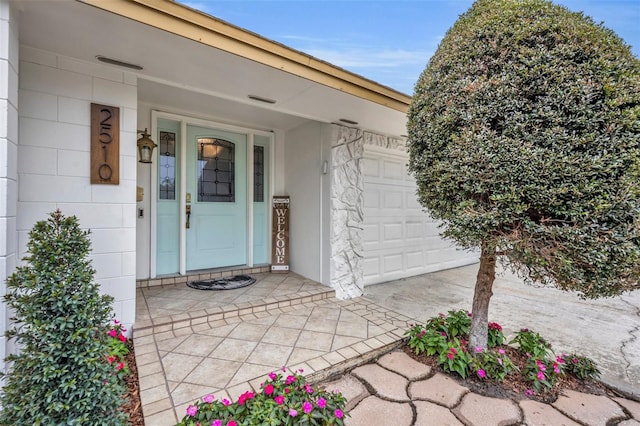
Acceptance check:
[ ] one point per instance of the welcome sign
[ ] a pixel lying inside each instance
(280, 235)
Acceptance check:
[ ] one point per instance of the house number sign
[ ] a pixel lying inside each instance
(105, 144)
(280, 240)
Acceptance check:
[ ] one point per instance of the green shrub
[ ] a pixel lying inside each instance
(61, 374)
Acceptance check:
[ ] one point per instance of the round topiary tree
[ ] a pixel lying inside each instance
(61, 375)
(524, 139)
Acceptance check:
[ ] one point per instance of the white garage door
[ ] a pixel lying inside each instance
(400, 240)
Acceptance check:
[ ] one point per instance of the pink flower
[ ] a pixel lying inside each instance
(292, 412)
(575, 360)
(279, 399)
(226, 402)
(495, 326)
(192, 410)
(482, 374)
(122, 337)
(115, 321)
(478, 349)
(290, 379)
(322, 402)
(540, 376)
(500, 361)
(216, 423)
(560, 360)
(268, 390)
(556, 368)
(208, 398)
(541, 366)
(501, 351)
(307, 407)
(273, 376)
(529, 392)
(111, 359)
(244, 397)
(450, 355)
(113, 332)
(232, 423)
(339, 414)
(301, 370)
(120, 366)
(308, 388)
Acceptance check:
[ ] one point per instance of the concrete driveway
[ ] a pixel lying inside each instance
(606, 330)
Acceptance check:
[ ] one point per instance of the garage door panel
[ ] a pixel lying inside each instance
(392, 200)
(415, 259)
(393, 170)
(371, 234)
(392, 232)
(392, 263)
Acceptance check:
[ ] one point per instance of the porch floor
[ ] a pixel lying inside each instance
(190, 343)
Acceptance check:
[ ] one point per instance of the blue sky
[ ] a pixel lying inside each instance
(388, 41)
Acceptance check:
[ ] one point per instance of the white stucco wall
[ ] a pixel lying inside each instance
(54, 163)
(303, 183)
(8, 154)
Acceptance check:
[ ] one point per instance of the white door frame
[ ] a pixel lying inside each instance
(184, 122)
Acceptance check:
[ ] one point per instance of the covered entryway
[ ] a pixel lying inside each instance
(212, 188)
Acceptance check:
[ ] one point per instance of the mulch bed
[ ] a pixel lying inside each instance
(133, 406)
(515, 384)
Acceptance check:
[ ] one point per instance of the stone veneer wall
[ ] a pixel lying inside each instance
(347, 205)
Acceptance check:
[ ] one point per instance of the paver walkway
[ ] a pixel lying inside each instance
(400, 391)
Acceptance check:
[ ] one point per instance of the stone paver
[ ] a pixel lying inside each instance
(632, 407)
(374, 411)
(403, 364)
(385, 383)
(480, 410)
(539, 414)
(629, 423)
(440, 389)
(351, 388)
(591, 410)
(429, 414)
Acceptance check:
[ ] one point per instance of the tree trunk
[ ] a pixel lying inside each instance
(481, 297)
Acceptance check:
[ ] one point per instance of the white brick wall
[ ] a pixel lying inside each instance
(8, 155)
(54, 172)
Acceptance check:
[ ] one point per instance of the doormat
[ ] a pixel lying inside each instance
(237, 281)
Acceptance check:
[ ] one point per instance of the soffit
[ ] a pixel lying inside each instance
(183, 74)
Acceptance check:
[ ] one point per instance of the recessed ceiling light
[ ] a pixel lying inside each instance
(347, 121)
(261, 99)
(117, 62)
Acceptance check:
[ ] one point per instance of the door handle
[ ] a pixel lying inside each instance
(188, 211)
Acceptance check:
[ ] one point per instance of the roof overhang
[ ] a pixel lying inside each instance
(197, 63)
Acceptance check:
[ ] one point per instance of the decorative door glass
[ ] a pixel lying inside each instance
(216, 170)
(167, 169)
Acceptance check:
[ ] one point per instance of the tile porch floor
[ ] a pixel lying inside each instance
(190, 343)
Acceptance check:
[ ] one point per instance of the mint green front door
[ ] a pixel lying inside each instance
(216, 194)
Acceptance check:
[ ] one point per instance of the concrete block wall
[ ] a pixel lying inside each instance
(55, 94)
(9, 53)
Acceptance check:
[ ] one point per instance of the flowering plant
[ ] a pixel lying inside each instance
(581, 367)
(444, 336)
(492, 364)
(282, 400)
(118, 349)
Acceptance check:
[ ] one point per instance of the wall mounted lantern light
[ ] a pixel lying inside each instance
(145, 146)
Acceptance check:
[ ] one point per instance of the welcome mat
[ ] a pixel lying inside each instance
(237, 281)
